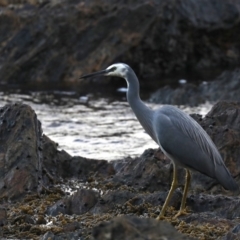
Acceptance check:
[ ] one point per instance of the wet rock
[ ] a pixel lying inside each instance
(187, 94)
(83, 168)
(144, 173)
(222, 206)
(20, 155)
(224, 87)
(52, 159)
(153, 37)
(71, 227)
(127, 227)
(80, 202)
(110, 200)
(59, 164)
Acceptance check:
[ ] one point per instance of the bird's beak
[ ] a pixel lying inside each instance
(102, 72)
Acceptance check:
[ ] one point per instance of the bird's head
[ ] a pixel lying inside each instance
(116, 70)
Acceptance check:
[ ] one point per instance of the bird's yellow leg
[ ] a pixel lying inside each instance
(169, 196)
(182, 210)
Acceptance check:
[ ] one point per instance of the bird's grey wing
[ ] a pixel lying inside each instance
(186, 141)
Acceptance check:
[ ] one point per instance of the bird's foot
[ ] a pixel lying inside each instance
(181, 212)
(159, 218)
(162, 215)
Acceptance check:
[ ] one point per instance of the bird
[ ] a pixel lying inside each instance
(178, 135)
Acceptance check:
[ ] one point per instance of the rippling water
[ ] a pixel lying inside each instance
(92, 128)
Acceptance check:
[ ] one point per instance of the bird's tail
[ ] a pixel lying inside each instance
(225, 178)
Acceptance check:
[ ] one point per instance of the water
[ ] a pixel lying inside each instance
(88, 127)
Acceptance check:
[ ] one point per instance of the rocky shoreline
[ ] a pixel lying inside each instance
(45, 193)
(48, 194)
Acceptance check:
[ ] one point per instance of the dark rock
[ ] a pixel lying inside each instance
(127, 227)
(20, 158)
(153, 37)
(24, 218)
(236, 229)
(134, 202)
(158, 199)
(71, 227)
(187, 94)
(52, 159)
(80, 202)
(89, 201)
(76, 235)
(3, 216)
(206, 219)
(222, 206)
(82, 168)
(29, 162)
(224, 87)
(42, 48)
(234, 234)
(59, 164)
(231, 236)
(48, 235)
(144, 173)
(110, 200)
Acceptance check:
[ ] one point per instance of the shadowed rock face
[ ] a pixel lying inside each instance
(20, 151)
(59, 41)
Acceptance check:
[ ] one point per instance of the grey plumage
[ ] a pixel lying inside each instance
(190, 147)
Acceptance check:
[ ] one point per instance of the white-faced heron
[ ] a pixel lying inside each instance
(178, 135)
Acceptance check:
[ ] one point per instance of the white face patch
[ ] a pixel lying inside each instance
(120, 70)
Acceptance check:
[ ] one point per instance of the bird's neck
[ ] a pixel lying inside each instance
(133, 93)
(135, 102)
(143, 113)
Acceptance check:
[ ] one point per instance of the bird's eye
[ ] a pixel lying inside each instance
(112, 69)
